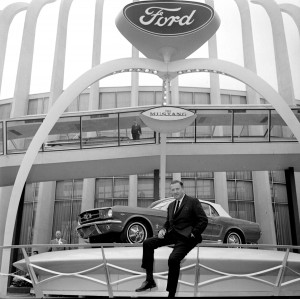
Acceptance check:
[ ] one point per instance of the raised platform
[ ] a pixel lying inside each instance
(206, 271)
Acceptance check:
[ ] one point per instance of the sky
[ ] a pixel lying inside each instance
(114, 46)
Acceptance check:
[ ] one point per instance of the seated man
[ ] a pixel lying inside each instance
(186, 220)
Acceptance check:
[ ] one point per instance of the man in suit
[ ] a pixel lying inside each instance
(186, 220)
(57, 240)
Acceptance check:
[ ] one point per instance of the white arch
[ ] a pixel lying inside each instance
(105, 69)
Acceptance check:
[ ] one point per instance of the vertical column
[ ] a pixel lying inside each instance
(89, 185)
(284, 76)
(46, 196)
(44, 215)
(263, 207)
(220, 182)
(133, 179)
(20, 102)
(293, 205)
(261, 185)
(6, 17)
(58, 70)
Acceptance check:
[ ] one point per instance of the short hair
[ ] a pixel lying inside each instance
(177, 181)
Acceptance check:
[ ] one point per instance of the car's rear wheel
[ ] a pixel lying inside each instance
(233, 237)
(135, 232)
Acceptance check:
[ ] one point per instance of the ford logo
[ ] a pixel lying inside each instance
(168, 18)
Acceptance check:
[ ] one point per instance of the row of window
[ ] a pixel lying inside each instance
(120, 99)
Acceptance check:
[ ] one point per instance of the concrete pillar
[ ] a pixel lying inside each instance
(44, 215)
(88, 194)
(6, 17)
(261, 183)
(220, 182)
(283, 69)
(89, 185)
(132, 196)
(248, 46)
(96, 59)
(58, 70)
(22, 87)
(263, 207)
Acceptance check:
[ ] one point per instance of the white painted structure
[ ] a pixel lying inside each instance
(60, 100)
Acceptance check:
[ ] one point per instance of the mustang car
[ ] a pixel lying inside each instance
(133, 225)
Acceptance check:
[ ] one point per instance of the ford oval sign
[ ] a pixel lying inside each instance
(168, 18)
(167, 30)
(167, 119)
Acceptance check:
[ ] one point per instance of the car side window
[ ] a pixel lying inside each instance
(206, 208)
(214, 213)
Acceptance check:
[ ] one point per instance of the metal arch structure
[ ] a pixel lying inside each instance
(170, 70)
(6, 17)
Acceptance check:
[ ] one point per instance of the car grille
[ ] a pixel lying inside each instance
(86, 232)
(91, 216)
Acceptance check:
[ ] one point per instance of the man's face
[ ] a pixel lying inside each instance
(177, 191)
(58, 235)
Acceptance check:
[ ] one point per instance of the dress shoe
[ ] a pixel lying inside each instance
(146, 285)
(171, 295)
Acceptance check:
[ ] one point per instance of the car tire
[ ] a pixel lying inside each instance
(135, 232)
(234, 237)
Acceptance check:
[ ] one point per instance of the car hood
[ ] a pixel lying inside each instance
(138, 210)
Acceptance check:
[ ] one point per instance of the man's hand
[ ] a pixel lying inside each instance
(161, 233)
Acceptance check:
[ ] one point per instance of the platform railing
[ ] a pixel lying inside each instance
(108, 128)
(195, 285)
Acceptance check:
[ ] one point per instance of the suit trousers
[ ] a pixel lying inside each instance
(182, 246)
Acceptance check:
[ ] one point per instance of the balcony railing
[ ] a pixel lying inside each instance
(109, 128)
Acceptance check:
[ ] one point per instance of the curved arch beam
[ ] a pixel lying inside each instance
(283, 69)
(6, 17)
(23, 79)
(105, 69)
(293, 11)
(58, 71)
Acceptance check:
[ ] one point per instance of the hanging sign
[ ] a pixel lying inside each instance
(167, 30)
(167, 119)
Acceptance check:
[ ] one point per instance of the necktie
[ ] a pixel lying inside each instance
(176, 206)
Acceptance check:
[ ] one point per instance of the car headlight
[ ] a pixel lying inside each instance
(109, 213)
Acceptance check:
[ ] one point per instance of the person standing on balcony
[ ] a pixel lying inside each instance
(136, 131)
(186, 221)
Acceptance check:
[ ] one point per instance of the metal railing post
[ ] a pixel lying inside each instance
(197, 273)
(281, 274)
(109, 288)
(37, 290)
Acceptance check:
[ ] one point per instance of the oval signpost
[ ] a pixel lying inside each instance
(167, 30)
(167, 119)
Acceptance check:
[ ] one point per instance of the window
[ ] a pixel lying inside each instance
(199, 184)
(67, 207)
(5, 111)
(38, 106)
(240, 195)
(111, 191)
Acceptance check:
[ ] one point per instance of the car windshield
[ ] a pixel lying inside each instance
(161, 205)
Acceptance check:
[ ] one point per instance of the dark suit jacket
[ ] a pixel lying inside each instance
(189, 219)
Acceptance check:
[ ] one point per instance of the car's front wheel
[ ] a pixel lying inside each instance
(135, 232)
(233, 237)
